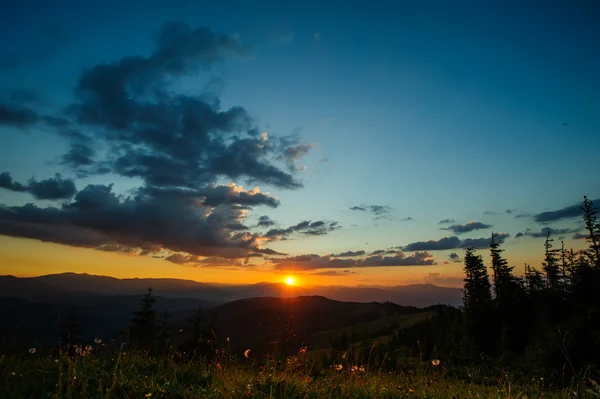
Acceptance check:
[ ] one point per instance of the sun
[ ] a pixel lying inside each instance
(290, 280)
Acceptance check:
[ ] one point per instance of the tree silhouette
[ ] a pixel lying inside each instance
(143, 323)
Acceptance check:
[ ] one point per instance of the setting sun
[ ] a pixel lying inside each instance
(290, 280)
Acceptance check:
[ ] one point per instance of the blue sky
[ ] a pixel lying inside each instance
(434, 110)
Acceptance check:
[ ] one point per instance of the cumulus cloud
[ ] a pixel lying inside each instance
(312, 261)
(466, 228)
(447, 243)
(127, 119)
(97, 216)
(307, 227)
(54, 188)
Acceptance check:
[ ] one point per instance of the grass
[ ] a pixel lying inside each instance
(102, 374)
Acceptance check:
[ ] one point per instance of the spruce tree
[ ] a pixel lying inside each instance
(593, 228)
(143, 323)
(477, 304)
(550, 265)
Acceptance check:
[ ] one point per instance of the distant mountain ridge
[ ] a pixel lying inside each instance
(68, 285)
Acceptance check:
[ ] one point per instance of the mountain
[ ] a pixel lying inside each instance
(72, 284)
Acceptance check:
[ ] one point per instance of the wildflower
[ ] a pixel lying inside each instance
(339, 367)
(12, 373)
(98, 340)
(228, 339)
(249, 387)
(181, 331)
(435, 362)
(302, 350)
(148, 395)
(88, 348)
(354, 368)
(55, 361)
(78, 350)
(247, 353)
(32, 351)
(361, 369)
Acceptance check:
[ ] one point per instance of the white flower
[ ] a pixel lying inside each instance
(98, 340)
(435, 362)
(32, 350)
(339, 367)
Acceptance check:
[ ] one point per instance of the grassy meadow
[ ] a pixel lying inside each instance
(95, 371)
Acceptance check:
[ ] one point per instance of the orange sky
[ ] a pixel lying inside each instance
(25, 258)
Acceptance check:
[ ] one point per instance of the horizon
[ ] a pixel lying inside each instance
(225, 143)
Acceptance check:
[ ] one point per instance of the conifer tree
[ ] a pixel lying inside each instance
(550, 265)
(477, 303)
(143, 323)
(593, 228)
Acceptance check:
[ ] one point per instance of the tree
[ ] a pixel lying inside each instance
(593, 228)
(477, 304)
(143, 323)
(510, 299)
(550, 265)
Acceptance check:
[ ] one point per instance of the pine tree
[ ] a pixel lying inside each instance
(477, 290)
(143, 323)
(509, 302)
(550, 265)
(593, 228)
(477, 304)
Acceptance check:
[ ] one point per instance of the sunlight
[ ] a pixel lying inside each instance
(290, 280)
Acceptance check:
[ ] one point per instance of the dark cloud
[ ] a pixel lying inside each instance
(466, 228)
(447, 243)
(348, 254)
(422, 258)
(169, 139)
(214, 195)
(54, 188)
(407, 219)
(20, 117)
(446, 221)
(97, 216)
(318, 228)
(453, 257)
(265, 221)
(378, 252)
(579, 236)
(522, 215)
(7, 182)
(312, 262)
(543, 233)
(377, 210)
(570, 212)
(332, 273)
(490, 213)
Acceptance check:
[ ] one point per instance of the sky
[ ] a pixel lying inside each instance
(242, 141)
